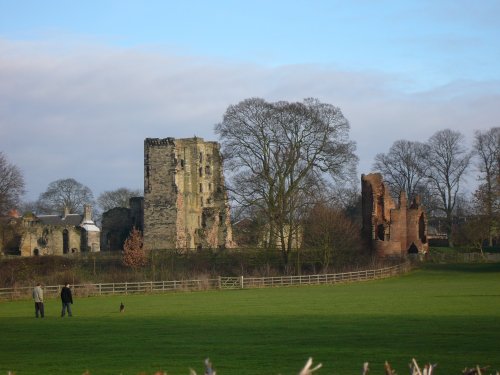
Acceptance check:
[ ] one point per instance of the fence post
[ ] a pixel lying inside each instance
(219, 282)
(241, 282)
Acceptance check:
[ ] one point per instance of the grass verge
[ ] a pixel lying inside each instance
(445, 314)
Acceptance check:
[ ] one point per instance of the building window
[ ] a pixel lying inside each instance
(209, 186)
(207, 170)
(65, 241)
(201, 157)
(201, 201)
(182, 163)
(201, 188)
(201, 171)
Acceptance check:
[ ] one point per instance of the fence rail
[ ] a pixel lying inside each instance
(207, 284)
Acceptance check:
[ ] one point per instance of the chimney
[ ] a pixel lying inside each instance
(87, 212)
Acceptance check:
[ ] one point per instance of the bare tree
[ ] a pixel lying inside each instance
(280, 154)
(447, 160)
(11, 185)
(487, 151)
(402, 167)
(117, 198)
(64, 194)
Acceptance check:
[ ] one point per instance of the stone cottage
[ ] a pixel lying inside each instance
(59, 234)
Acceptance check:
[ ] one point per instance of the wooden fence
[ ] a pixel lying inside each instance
(208, 284)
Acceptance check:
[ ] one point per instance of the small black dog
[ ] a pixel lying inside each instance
(122, 307)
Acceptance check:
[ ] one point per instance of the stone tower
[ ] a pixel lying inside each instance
(391, 229)
(185, 201)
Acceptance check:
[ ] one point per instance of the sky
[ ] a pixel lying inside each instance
(83, 83)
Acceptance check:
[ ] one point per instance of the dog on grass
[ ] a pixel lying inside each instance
(122, 307)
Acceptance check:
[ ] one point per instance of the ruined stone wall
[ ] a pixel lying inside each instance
(38, 239)
(116, 226)
(119, 221)
(391, 229)
(185, 202)
(137, 212)
(160, 197)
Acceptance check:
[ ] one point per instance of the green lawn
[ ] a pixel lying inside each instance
(448, 315)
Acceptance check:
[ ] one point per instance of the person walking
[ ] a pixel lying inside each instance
(38, 298)
(66, 299)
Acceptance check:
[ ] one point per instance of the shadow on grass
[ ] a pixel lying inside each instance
(264, 345)
(463, 267)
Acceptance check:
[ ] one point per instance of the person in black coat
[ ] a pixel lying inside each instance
(67, 300)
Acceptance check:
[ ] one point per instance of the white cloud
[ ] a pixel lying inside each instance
(83, 111)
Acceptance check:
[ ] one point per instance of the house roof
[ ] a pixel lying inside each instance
(71, 219)
(89, 226)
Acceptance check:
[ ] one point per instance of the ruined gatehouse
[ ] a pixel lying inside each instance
(389, 228)
(185, 200)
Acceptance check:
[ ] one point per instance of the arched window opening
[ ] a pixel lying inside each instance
(413, 249)
(65, 241)
(421, 229)
(380, 232)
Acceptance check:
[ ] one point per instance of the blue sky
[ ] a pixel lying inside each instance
(83, 83)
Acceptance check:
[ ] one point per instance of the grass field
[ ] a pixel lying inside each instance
(445, 314)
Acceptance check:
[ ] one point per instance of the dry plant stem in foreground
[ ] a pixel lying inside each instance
(308, 369)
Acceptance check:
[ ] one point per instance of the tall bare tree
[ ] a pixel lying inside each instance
(11, 185)
(402, 167)
(447, 160)
(487, 151)
(280, 154)
(64, 194)
(117, 198)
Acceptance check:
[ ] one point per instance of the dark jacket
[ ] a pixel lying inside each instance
(66, 296)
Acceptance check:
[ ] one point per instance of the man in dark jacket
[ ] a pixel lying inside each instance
(67, 300)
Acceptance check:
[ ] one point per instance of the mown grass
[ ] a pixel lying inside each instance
(443, 314)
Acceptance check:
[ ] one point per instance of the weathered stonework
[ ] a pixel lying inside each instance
(185, 201)
(57, 235)
(391, 229)
(119, 221)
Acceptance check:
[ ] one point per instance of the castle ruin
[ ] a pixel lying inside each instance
(391, 229)
(185, 201)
